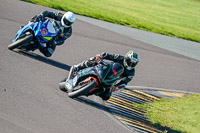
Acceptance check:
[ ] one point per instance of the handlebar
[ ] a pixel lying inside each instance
(103, 63)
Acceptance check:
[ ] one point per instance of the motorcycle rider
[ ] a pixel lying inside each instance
(62, 23)
(129, 61)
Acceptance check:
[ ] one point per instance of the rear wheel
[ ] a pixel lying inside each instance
(82, 90)
(22, 41)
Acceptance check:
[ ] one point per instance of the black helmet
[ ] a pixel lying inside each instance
(130, 60)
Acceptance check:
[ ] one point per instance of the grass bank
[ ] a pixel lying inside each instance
(177, 18)
(179, 114)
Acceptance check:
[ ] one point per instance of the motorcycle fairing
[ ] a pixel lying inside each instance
(107, 74)
(86, 72)
(24, 29)
(43, 31)
(113, 74)
(116, 71)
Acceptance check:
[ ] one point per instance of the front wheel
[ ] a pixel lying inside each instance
(82, 91)
(62, 86)
(20, 42)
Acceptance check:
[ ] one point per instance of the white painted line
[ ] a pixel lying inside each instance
(184, 47)
(159, 89)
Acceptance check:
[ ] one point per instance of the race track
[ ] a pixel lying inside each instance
(30, 100)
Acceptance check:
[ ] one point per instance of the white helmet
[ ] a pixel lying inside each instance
(68, 19)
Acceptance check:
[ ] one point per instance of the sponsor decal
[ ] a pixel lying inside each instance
(43, 31)
(47, 38)
(104, 67)
(115, 73)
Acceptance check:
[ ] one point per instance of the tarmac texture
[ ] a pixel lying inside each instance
(30, 100)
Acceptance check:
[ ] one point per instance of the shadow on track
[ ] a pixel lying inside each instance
(44, 59)
(93, 104)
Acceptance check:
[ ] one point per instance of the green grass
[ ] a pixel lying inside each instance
(177, 18)
(181, 114)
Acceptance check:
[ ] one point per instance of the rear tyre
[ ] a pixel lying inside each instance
(20, 42)
(82, 91)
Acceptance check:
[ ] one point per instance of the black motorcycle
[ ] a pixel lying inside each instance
(92, 80)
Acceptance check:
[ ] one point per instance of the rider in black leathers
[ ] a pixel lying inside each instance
(62, 23)
(129, 61)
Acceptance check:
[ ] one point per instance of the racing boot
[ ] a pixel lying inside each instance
(106, 94)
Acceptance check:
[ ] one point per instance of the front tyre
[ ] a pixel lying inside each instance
(62, 86)
(82, 91)
(20, 42)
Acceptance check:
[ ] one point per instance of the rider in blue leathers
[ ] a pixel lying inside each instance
(62, 23)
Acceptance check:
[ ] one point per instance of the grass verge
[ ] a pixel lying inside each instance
(177, 18)
(180, 114)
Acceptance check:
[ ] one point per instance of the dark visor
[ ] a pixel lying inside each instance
(130, 63)
(67, 22)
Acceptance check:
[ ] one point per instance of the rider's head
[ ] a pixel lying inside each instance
(130, 60)
(68, 19)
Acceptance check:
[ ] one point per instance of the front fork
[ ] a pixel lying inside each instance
(69, 79)
(71, 73)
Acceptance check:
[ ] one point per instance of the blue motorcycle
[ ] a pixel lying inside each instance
(33, 35)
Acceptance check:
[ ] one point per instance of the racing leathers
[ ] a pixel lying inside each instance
(63, 32)
(126, 77)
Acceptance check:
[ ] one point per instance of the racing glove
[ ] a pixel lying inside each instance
(99, 58)
(39, 18)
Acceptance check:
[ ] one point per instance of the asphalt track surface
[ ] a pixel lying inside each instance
(30, 100)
